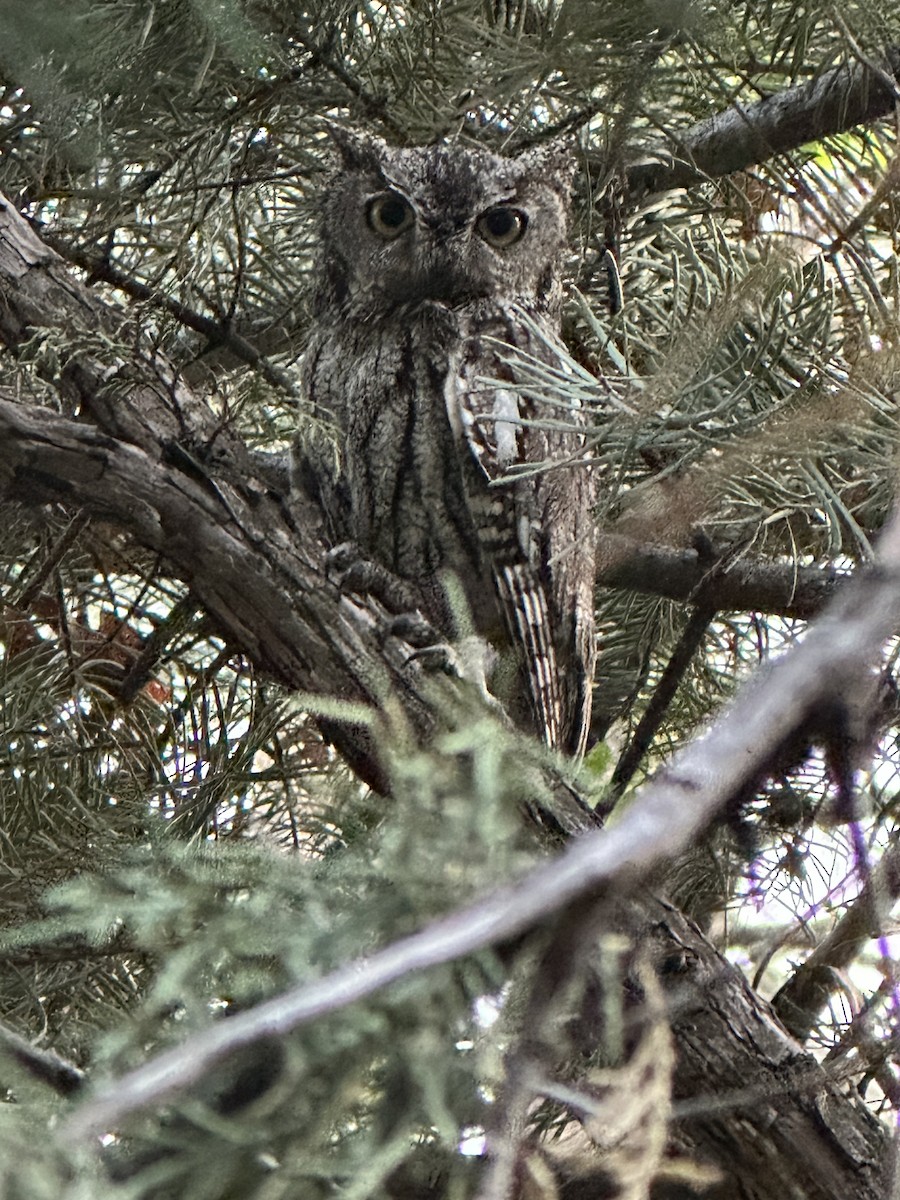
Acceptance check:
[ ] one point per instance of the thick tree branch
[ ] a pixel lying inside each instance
(747, 585)
(837, 100)
(250, 561)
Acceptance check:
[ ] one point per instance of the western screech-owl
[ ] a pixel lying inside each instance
(438, 292)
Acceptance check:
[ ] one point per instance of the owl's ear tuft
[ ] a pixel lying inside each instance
(356, 148)
(553, 161)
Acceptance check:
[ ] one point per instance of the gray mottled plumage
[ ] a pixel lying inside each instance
(439, 266)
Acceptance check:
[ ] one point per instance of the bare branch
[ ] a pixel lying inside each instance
(808, 990)
(745, 585)
(688, 644)
(218, 333)
(838, 100)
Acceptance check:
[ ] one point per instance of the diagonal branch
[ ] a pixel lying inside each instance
(217, 332)
(815, 981)
(837, 100)
(688, 644)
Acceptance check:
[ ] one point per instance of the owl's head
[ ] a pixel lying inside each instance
(447, 223)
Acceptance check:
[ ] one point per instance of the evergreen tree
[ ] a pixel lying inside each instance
(287, 913)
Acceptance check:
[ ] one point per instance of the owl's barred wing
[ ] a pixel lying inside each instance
(509, 536)
(525, 607)
(533, 517)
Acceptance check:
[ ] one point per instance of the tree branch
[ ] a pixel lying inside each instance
(747, 585)
(802, 998)
(44, 1065)
(217, 333)
(837, 100)
(688, 644)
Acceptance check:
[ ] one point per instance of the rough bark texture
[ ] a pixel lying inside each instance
(764, 1112)
(781, 588)
(138, 449)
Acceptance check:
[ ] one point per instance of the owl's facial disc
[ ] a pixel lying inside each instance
(443, 254)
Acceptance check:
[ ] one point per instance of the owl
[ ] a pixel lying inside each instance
(437, 306)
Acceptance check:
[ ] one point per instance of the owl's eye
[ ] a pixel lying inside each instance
(389, 215)
(501, 226)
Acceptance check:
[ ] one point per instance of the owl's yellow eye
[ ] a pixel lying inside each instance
(389, 215)
(501, 226)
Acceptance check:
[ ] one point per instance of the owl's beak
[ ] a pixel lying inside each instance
(446, 272)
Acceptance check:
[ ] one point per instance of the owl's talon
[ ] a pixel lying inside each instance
(412, 628)
(470, 659)
(438, 657)
(428, 647)
(352, 572)
(341, 559)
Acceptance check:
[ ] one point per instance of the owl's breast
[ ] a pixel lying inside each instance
(402, 486)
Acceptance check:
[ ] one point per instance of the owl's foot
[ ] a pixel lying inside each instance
(470, 659)
(431, 650)
(351, 571)
(412, 628)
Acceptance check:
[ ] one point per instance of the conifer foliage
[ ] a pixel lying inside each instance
(286, 911)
